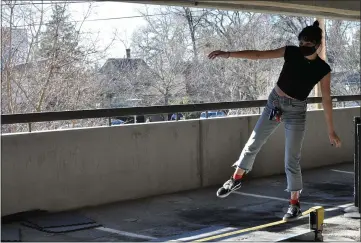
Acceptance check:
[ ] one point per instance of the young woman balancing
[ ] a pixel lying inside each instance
(302, 70)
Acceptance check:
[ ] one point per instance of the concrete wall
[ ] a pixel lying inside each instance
(60, 170)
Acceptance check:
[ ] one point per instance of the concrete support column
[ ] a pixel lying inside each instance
(322, 55)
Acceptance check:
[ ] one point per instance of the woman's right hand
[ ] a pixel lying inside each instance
(218, 53)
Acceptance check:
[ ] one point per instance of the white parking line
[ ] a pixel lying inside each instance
(124, 233)
(339, 207)
(343, 171)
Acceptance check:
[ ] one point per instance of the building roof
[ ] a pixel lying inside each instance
(122, 64)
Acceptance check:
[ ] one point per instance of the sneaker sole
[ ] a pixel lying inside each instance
(227, 194)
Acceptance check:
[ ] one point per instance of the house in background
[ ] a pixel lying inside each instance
(127, 82)
(14, 46)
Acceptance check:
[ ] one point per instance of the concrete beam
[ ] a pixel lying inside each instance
(345, 10)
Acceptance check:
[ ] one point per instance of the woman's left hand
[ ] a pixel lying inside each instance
(335, 140)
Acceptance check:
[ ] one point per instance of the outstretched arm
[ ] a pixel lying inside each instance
(249, 54)
(327, 106)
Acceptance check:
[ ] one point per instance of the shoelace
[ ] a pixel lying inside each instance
(292, 209)
(228, 184)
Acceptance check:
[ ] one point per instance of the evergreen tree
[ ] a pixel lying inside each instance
(59, 41)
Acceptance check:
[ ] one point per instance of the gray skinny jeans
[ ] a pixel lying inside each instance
(294, 117)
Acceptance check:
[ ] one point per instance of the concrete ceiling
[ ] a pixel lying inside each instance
(345, 10)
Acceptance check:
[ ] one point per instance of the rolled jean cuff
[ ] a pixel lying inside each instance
(237, 165)
(288, 190)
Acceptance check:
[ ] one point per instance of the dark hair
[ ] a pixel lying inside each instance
(312, 33)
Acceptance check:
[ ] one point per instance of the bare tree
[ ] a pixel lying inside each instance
(162, 45)
(343, 50)
(48, 67)
(194, 20)
(240, 79)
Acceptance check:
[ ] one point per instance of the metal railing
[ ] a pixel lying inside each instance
(151, 110)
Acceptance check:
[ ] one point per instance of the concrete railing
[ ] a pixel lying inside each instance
(60, 170)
